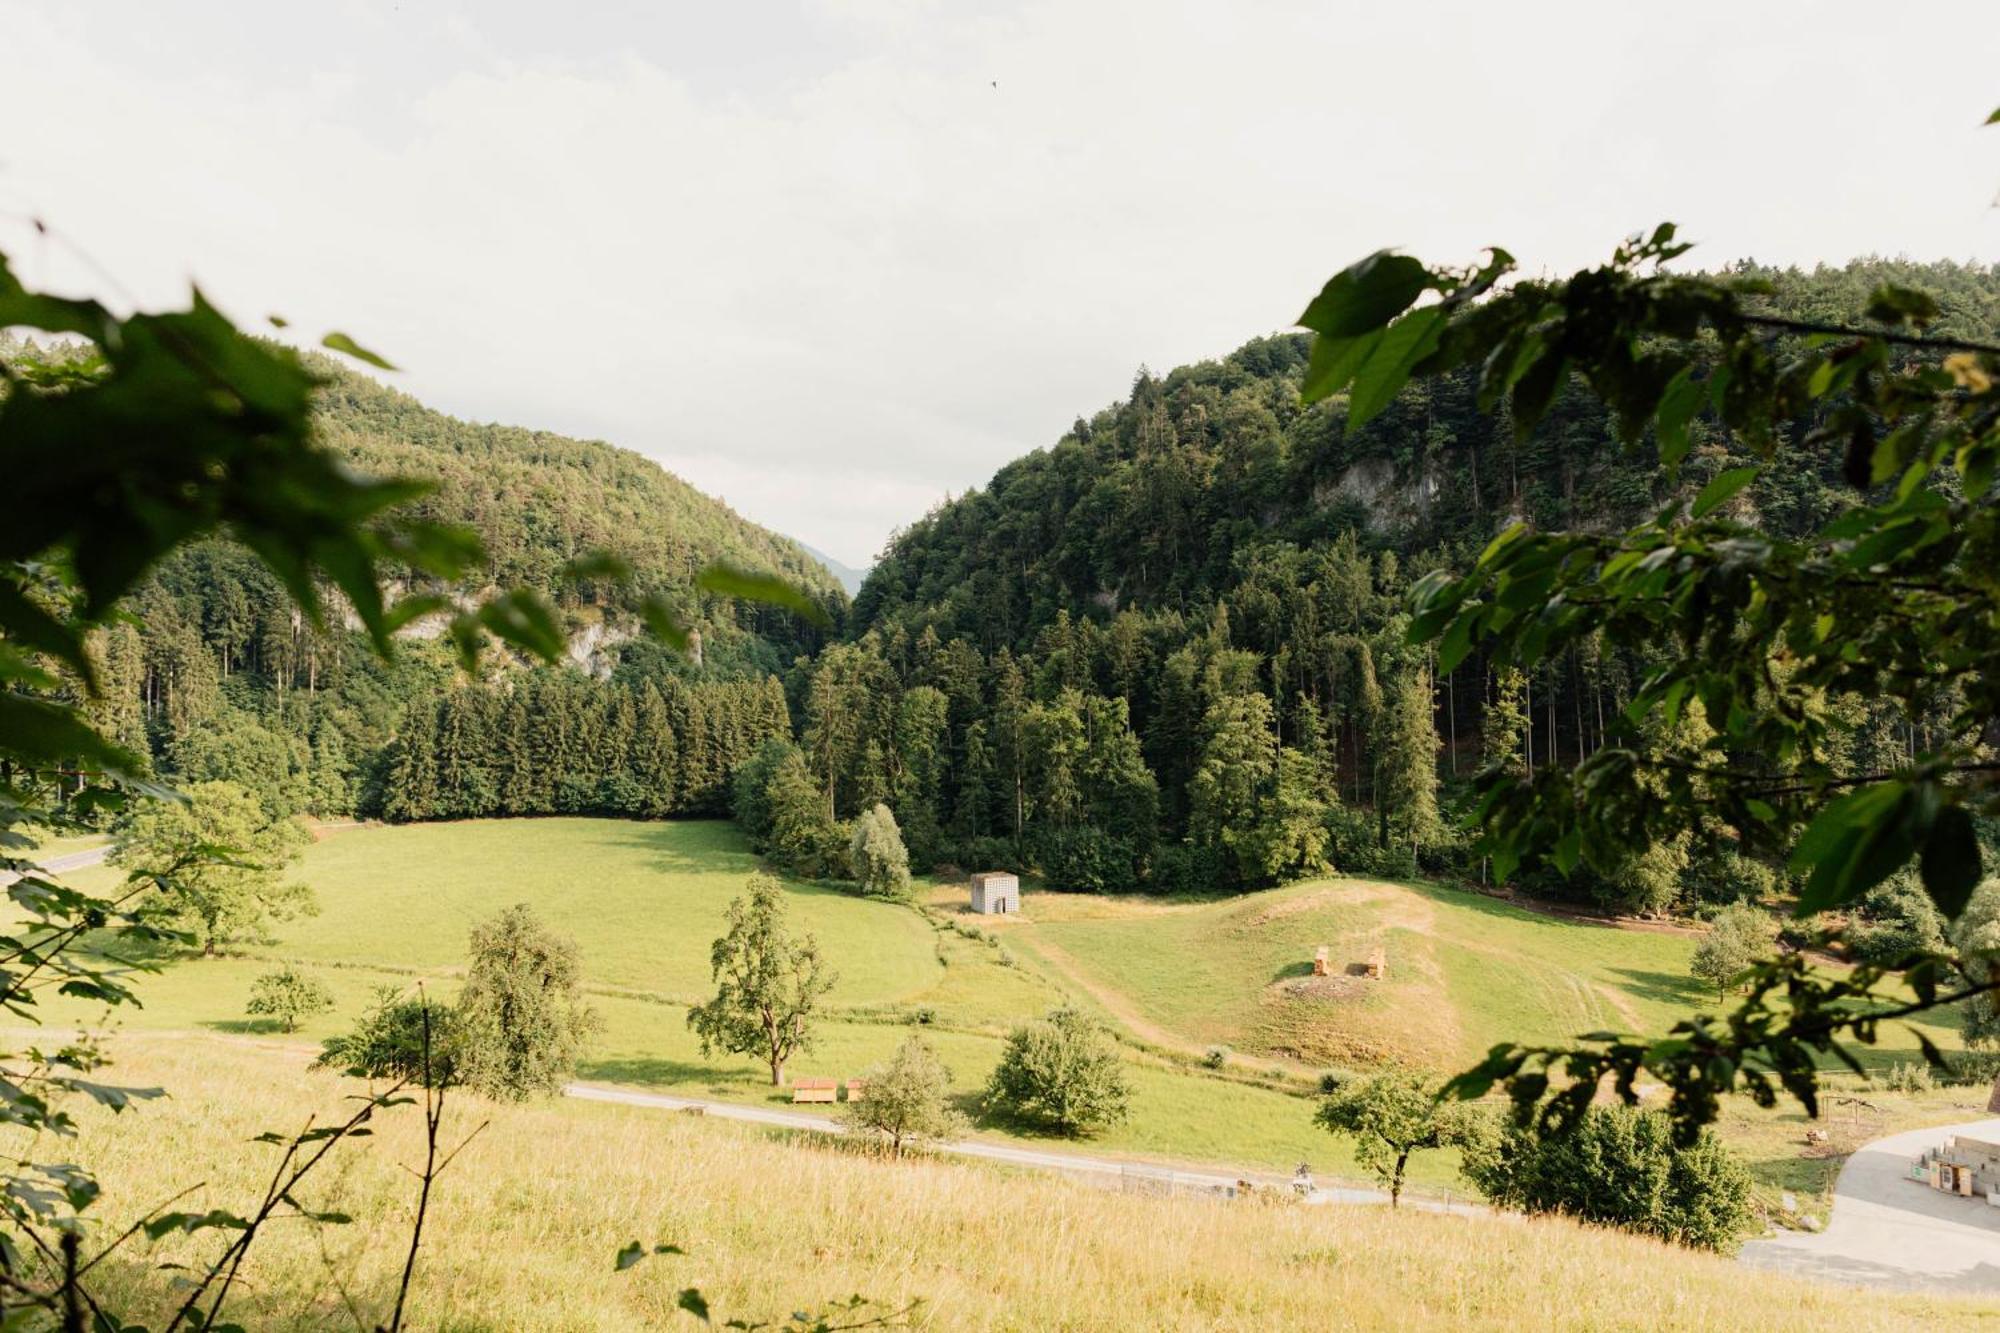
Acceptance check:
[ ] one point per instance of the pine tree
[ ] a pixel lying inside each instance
(651, 758)
(411, 791)
(1406, 765)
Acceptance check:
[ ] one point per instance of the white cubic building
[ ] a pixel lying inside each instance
(996, 892)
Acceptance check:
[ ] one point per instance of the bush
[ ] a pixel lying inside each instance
(288, 995)
(388, 1042)
(522, 1016)
(906, 1100)
(1215, 1057)
(1737, 937)
(876, 855)
(923, 1015)
(1061, 1071)
(1620, 1166)
(1909, 1076)
(1728, 877)
(1895, 918)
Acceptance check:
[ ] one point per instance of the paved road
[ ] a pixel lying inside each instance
(1889, 1231)
(89, 856)
(1145, 1177)
(56, 865)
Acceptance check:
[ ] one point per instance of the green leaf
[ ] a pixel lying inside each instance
(1950, 862)
(664, 622)
(1994, 119)
(1722, 489)
(522, 619)
(1333, 363)
(1365, 296)
(1678, 405)
(1896, 305)
(44, 733)
(1408, 341)
(767, 588)
(340, 342)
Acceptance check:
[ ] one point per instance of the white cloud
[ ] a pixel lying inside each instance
(817, 260)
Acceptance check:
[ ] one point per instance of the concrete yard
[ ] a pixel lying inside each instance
(1887, 1230)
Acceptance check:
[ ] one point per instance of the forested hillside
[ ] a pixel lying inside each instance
(1169, 650)
(218, 677)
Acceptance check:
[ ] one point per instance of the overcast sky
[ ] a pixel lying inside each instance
(834, 259)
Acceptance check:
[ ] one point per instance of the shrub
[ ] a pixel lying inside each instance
(1061, 1071)
(522, 1017)
(906, 1100)
(1896, 918)
(388, 1042)
(1738, 936)
(923, 1015)
(288, 995)
(876, 855)
(1215, 1057)
(1909, 1076)
(1620, 1166)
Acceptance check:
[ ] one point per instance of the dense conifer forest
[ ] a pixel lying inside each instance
(1168, 652)
(217, 676)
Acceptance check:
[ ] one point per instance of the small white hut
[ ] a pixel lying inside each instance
(996, 892)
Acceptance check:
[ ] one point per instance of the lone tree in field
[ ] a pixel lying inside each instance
(288, 995)
(1062, 1070)
(907, 1100)
(1392, 1117)
(1737, 938)
(522, 1019)
(881, 862)
(221, 859)
(768, 984)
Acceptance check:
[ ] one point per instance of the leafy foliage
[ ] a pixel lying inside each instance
(228, 857)
(1394, 1115)
(287, 995)
(907, 1100)
(1737, 936)
(404, 1038)
(880, 863)
(769, 985)
(1061, 1071)
(522, 1019)
(1623, 1167)
(1889, 602)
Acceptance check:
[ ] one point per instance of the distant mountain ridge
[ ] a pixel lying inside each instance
(846, 575)
(539, 500)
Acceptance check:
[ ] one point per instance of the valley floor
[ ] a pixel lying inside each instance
(1187, 984)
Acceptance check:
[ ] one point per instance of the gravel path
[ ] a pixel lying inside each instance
(1887, 1230)
(1140, 1177)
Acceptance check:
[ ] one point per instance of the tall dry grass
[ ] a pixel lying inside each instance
(523, 1232)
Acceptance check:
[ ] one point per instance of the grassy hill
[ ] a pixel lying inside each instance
(1464, 971)
(523, 1230)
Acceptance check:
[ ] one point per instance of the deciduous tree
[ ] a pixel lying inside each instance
(769, 983)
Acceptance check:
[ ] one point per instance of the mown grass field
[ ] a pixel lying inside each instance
(525, 1223)
(644, 901)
